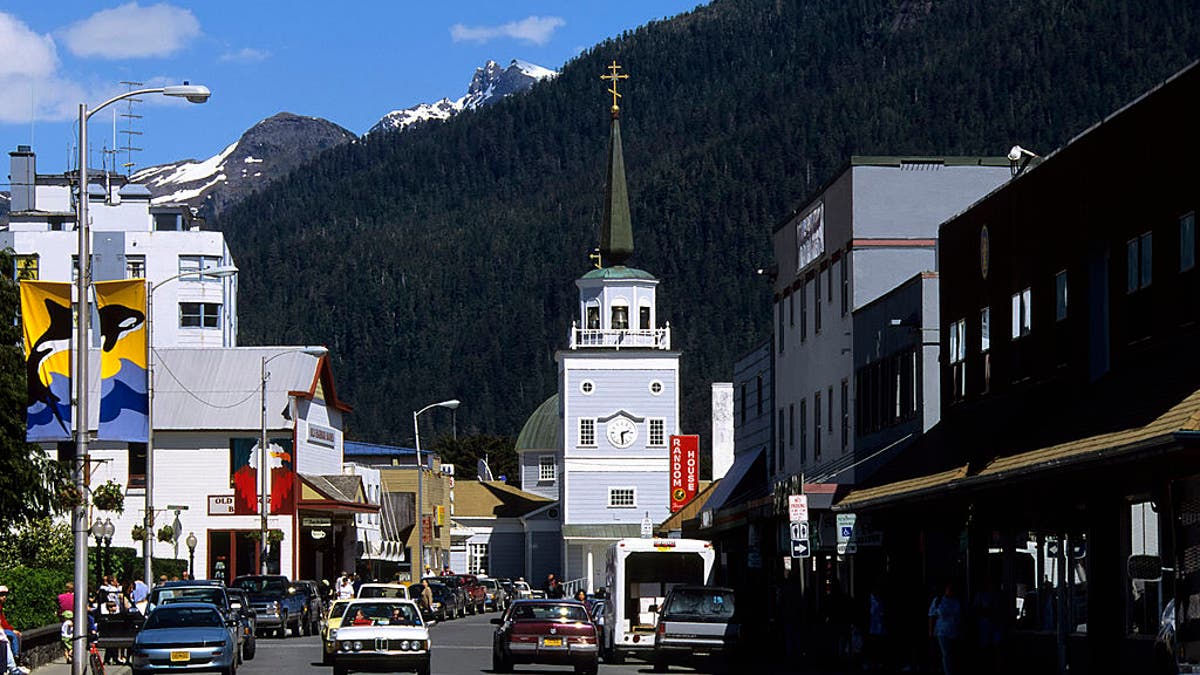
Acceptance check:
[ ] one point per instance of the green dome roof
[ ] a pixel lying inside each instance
(542, 429)
(619, 272)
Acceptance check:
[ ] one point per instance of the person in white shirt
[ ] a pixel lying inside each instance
(345, 588)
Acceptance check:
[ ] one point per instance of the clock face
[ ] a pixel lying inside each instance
(621, 432)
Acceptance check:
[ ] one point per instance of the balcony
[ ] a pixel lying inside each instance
(591, 338)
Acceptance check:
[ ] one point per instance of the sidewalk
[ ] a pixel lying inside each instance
(61, 667)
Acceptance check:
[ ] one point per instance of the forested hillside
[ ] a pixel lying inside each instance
(440, 262)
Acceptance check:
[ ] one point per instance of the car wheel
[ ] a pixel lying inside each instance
(326, 658)
(249, 647)
(499, 663)
(660, 666)
(340, 670)
(615, 657)
(423, 669)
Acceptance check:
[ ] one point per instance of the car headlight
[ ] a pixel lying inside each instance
(405, 645)
(275, 607)
(357, 645)
(332, 633)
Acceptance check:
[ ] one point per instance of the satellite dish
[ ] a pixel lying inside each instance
(484, 471)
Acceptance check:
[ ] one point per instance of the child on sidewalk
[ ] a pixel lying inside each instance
(68, 632)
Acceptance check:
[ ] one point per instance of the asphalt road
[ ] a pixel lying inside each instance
(460, 647)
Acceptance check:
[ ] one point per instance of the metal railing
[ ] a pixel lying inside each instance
(636, 338)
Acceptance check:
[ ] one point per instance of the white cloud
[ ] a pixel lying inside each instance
(534, 29)
(29, 78)
(245, 55)
(132, 31)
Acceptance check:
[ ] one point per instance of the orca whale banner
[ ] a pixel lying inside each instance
(48, 328)
(124, 402)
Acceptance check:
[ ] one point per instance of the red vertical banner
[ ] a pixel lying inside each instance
(283, 477)
(685, 470)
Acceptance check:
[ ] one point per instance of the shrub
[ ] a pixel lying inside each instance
(33, 595)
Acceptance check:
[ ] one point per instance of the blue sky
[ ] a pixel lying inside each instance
(348, 62)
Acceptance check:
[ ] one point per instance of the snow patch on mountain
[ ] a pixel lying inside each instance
(489, 84)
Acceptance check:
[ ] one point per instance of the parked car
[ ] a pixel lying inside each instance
(556, 632)
(696, 624)
(446, 604)
(596, 609)
(476, 591)
(185, 636)
(465, 601)
(333, 620)
(382, 635)
(239, 603)
(192, 591)
(523, 589)
(314, 609)
(399, 591)
(277, 602)
(497, 597)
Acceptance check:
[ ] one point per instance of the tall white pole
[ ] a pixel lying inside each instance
(264, 470)
(83, 315)
(420, 514)
(148, 520)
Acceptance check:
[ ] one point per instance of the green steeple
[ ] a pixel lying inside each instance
(616, 232)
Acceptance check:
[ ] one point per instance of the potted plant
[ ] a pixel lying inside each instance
(166, 534)
(69, 497)
(109, 497)
(138, 533)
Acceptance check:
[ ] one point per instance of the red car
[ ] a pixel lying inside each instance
(476, 593)
(555, 632)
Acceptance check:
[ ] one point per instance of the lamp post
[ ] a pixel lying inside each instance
(263, 463)
(191, 544)
(97, 531)
(108, 531)
(195, 94)
(452, 404)
(221, 272)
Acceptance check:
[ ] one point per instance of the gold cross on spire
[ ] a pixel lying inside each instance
(614, 77)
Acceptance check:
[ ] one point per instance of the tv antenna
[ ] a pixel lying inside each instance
(129, 133)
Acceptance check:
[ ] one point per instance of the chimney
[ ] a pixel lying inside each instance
(23, 179)
(722, 428)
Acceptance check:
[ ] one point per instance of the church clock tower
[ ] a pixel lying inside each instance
(618, 386)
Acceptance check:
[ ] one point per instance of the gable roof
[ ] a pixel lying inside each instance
(493, 499)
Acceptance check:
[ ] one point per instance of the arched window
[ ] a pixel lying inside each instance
(620, 314)
(644, 314)
(592, 316)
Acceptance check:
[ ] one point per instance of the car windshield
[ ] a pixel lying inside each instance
(381, 614)
(489, 583)
(703, 604)
(183, 617)
(556, 612)
(162, 596)
(382, 592)
(258, 585)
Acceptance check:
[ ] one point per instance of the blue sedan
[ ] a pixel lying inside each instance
(185, 637)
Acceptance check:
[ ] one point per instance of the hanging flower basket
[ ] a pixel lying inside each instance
(109, 497)
(254, 535)
(138, 533)
(69, 497)
(166, 534)
(274, 537)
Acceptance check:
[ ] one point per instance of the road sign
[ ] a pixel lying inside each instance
(800, 548)
(177, 507)
(800, 530)
(846, 547)
(797, 508)
(845, 527)
(647, 528)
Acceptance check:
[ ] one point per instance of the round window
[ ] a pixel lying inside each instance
(656, 387)
(587, 387)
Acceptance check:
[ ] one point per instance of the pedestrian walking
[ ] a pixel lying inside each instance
(345, 588)
(426, 598)
(945, 626)
(67, 632)
(554, 589)
(66, 600)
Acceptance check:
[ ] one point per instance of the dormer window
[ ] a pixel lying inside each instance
(620, 317)
(593, 317)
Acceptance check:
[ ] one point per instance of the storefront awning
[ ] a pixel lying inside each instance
(735, 486)
(337, 493)
(1163, 432)
(384, 551)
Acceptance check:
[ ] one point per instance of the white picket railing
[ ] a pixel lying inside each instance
(648, 338)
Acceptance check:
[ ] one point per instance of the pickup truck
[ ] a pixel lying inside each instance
(276, 601)
(695, 624)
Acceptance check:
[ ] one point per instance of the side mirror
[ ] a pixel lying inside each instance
(231, 622)
(653, 609)
(1145, 567)
(497, 621)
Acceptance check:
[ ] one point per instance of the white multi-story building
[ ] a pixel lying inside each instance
(130, 238)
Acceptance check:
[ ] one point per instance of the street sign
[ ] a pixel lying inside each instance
(797, 508)
(800, 548)
(845, 527)
(316, 522)
(647, 528)
(799, 530)
(177, 507)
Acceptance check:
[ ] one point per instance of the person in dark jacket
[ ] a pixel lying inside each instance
(554, 589)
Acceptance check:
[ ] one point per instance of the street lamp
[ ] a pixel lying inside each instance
(221, 272)
(263, 462)
(452, 404)
(191, 544)
(195, 94)
(97, 531)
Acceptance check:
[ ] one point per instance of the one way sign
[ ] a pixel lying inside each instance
(800, 548)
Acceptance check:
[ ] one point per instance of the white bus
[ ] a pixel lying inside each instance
(638, 574)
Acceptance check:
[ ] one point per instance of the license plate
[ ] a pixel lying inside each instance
(552, 642)
(178, 657)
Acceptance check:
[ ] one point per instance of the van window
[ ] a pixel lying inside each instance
(699, 605)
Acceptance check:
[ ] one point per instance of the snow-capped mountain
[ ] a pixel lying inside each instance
(268, 150)
(489, 84)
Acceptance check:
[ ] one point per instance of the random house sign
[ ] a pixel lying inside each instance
(321, 435)
(685, 470)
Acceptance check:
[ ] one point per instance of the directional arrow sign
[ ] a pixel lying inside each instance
(800, 548)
